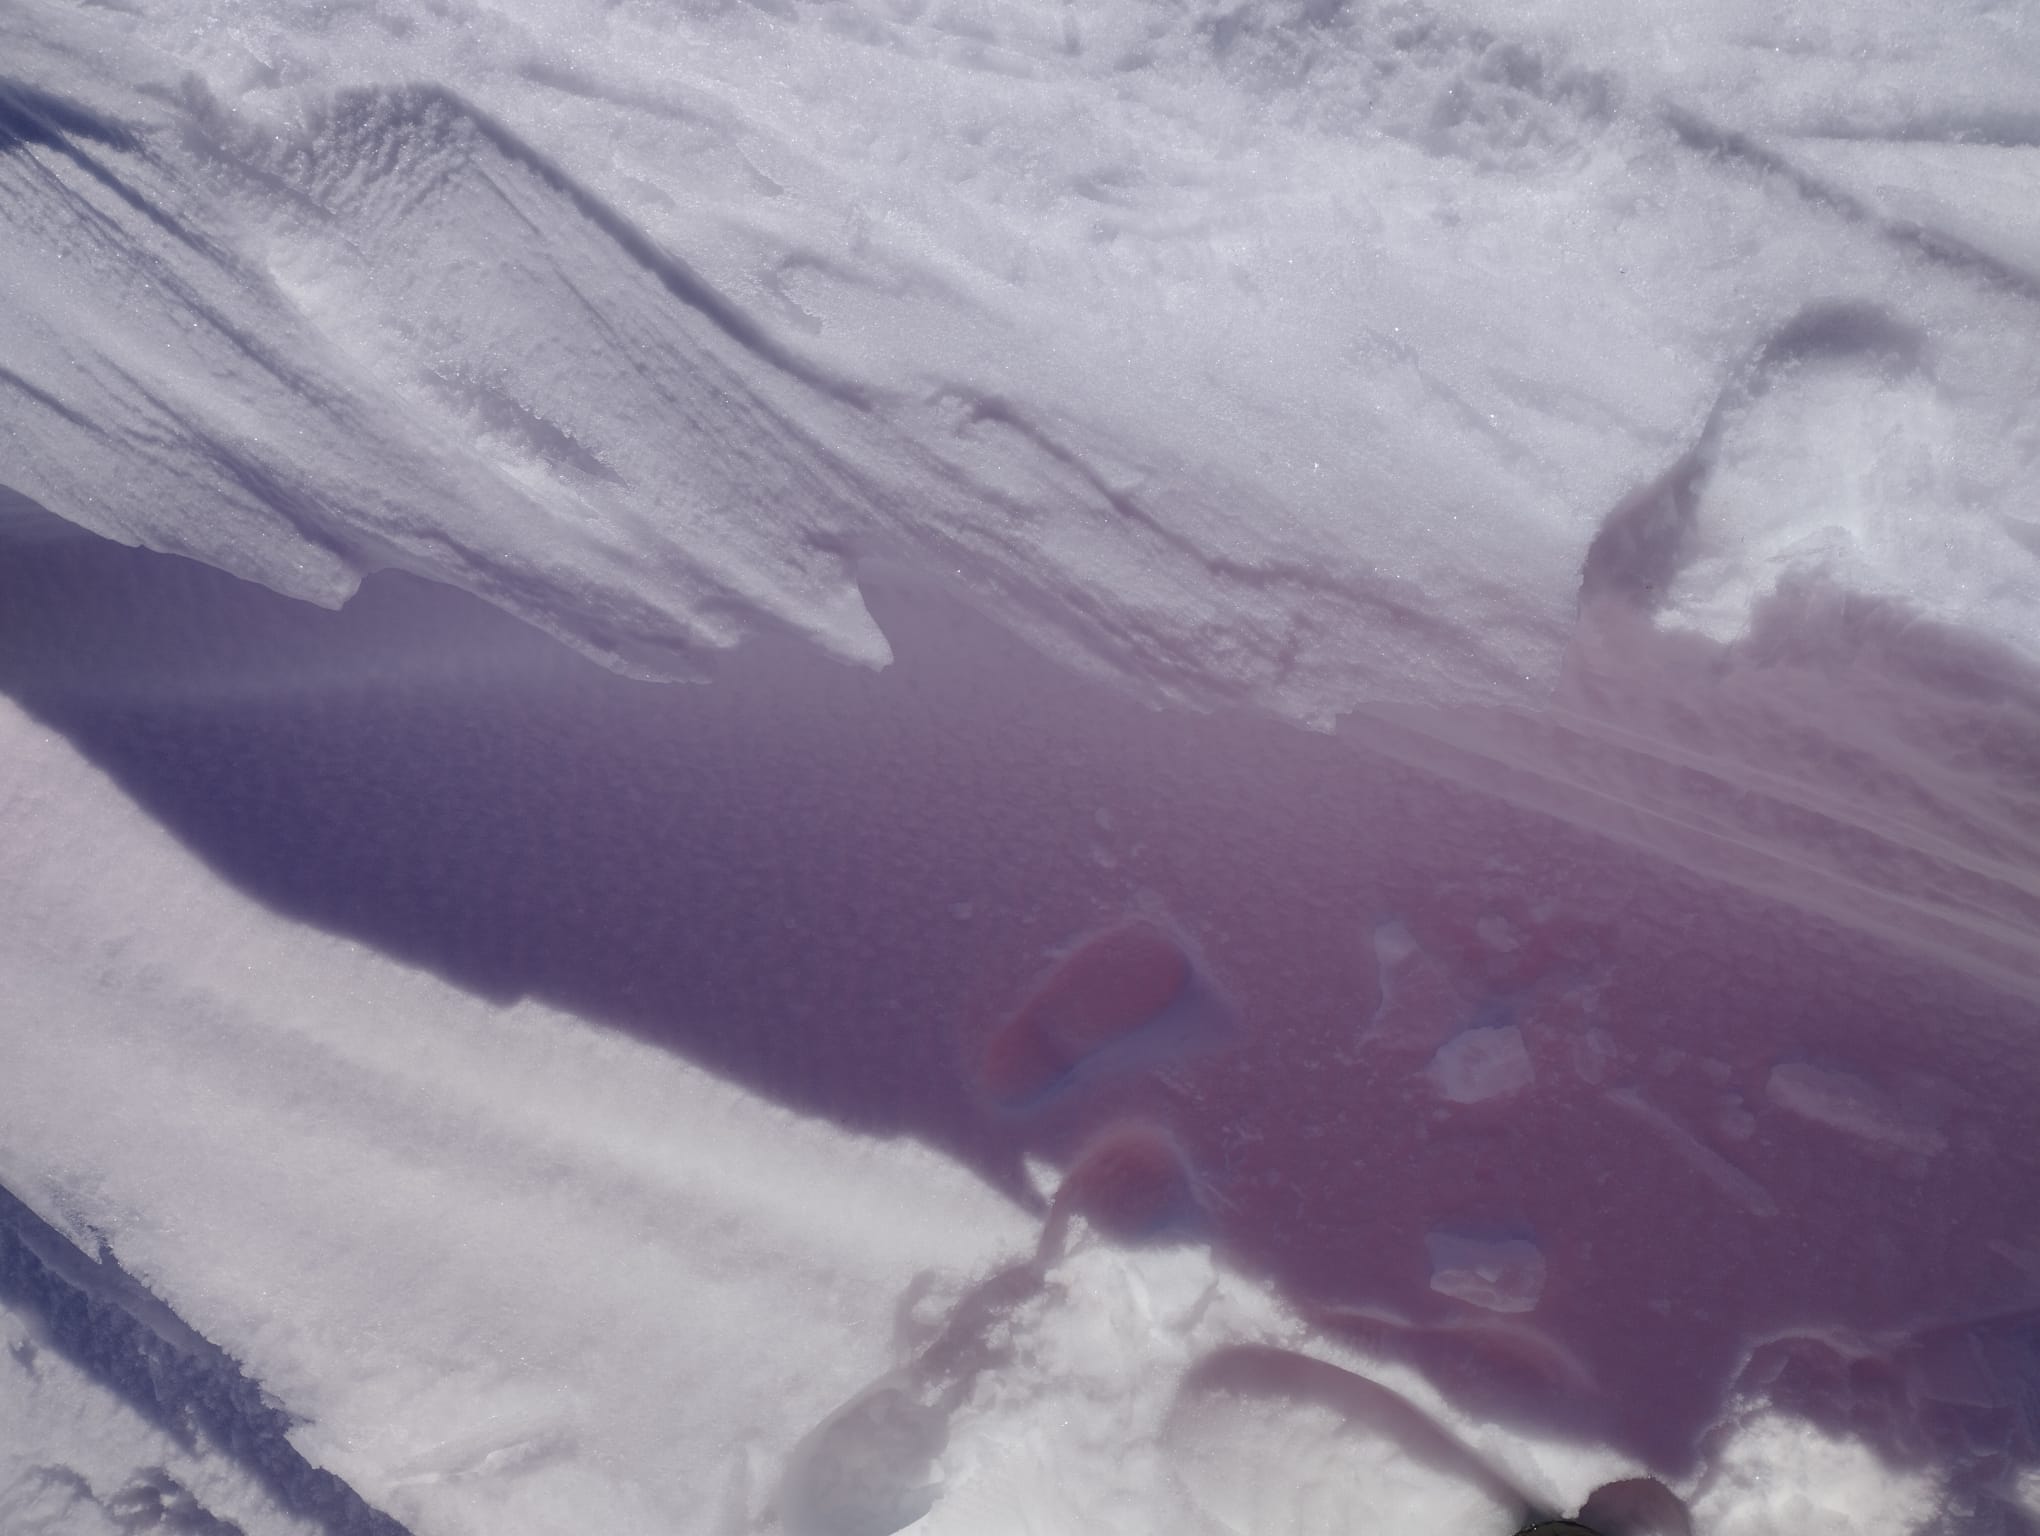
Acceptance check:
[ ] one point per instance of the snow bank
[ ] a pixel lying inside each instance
(656, 326)
(1573, 364)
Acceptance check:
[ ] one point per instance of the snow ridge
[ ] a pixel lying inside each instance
(109, 1325)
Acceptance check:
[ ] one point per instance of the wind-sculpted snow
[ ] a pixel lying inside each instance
(603, 317)
(1359, 843)
(1422, 365)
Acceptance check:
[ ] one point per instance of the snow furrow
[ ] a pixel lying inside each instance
(127, 1340)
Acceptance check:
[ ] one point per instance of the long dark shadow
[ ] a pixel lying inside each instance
(1448, 1022)
(113, 1330)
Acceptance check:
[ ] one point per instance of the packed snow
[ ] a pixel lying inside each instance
(843, 766)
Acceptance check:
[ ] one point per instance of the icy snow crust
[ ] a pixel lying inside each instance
(1362, 850)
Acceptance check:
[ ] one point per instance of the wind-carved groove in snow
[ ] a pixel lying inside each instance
(1126, 504)
(299, 355)
(195, 467)
(496, 411)
(1709, 138)
(635, 431)
(38, 120)
(9, 379)
(1023, 464)
(1452, 91)
(2000, 128)
(445, 115)
(1644, 543)
(114, 1330)
(32, 117)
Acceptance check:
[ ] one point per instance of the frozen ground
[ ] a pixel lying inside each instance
(1352, 840)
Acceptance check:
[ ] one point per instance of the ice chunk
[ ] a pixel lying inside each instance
(1500, 1274)
(1482, 1064)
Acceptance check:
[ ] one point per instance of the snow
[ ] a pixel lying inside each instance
(1352, 842)
(1827, 1485)
(704, 313)
(79, 1459)
(616, 1206)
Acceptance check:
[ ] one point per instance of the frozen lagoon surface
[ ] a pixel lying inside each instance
(821, 768)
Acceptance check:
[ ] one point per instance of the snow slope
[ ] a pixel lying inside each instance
(1362, 843)
(653, 326)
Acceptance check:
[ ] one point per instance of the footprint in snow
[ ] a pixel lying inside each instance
(1123, 998)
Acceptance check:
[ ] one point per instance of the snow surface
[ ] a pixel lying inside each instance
(1359, 847)
(74, 1456)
